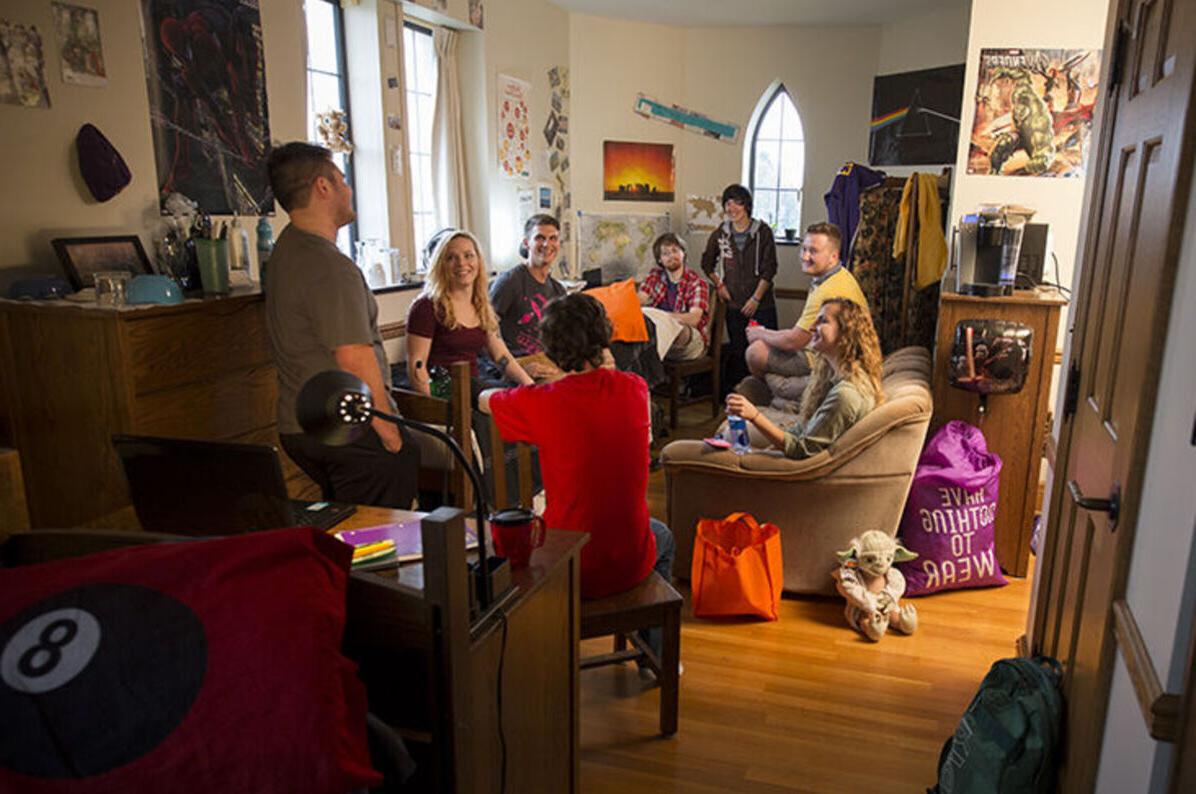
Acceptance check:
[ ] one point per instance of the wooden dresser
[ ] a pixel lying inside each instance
(1014, 425)
(76, 374)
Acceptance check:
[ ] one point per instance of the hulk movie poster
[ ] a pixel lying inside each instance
(1034, 112)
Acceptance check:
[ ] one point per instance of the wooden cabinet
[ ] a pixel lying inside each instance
(76, 374)
(1014, 425)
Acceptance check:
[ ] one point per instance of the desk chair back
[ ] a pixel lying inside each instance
(454, 414)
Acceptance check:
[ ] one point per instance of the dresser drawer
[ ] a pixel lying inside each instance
(213, 338)
(221, 408)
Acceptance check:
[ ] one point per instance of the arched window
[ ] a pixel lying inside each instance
(776, 160)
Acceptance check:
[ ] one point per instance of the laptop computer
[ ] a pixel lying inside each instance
(189, 487)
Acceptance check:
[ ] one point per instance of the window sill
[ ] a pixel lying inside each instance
(397, 288)
(783, 241)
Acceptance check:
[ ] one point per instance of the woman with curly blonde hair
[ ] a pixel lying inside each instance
(844, 387)
(452, 320)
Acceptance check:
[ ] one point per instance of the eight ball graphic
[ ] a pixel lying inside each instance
(95, 677)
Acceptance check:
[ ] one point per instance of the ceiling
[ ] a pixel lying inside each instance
(749, 13)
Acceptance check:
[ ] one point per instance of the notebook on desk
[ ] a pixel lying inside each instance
(405, 543)
(188, 487)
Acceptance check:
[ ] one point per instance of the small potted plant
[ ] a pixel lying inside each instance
(791, 234)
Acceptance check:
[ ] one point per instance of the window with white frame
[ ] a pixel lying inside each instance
(420, 79)
(778, 163)
(327, 86)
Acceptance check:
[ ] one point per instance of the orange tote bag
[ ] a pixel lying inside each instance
(736, 568)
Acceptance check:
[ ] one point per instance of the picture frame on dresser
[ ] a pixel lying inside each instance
(83, 257)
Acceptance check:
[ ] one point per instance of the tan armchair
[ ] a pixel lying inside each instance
(859, 483)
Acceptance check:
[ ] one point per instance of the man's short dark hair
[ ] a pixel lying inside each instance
(740, 194)
(668, 238)
(541, 219)
(293, 168)
(828, 230)
(576, 331)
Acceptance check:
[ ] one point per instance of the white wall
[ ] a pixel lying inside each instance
(44, 194)
(613, 61)
(936, 38)
(523, 39)
(828, 72)
(1070, 24)
(724, 73)
(1162, 582)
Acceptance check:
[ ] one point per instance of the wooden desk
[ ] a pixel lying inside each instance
(534, 639)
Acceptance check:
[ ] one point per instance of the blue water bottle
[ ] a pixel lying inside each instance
(737, 429)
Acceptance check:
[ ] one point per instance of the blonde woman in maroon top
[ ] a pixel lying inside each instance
(452, 320)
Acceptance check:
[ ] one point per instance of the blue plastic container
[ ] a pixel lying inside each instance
(154, 289)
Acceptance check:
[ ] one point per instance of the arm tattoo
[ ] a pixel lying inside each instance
(503, 363)
(419, 364)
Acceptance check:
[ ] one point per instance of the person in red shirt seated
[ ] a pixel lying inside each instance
(592, 429)
(452, 320)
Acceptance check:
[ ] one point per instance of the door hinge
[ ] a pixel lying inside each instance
(1072, 394)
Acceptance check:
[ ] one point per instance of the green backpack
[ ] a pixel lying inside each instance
(1008, 739)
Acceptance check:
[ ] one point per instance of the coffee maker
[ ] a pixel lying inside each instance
(987, 246)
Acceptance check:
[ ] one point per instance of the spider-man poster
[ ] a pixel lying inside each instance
(207, 94)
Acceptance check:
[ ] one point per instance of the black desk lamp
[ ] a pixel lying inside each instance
(334, 407)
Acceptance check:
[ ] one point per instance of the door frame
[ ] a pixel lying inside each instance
(1055, 560)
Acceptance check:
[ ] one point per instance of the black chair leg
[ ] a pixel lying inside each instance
(670, 673)
(674, 397)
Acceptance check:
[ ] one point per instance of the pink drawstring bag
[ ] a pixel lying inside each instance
(950, 514)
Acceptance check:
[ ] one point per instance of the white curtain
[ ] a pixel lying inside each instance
(448, 139)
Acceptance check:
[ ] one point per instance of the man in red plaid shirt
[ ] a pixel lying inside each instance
(674, 288)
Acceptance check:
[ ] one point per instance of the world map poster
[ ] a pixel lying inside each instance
(619, 244)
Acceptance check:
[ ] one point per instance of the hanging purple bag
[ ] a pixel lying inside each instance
(950, 514)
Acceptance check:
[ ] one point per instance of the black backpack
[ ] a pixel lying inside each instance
(1008, 740)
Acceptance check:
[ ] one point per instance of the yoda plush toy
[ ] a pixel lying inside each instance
(872, 586)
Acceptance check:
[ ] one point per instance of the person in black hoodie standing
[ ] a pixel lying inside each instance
(741, 261)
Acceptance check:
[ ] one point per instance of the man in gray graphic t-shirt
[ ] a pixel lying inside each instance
(520, 294)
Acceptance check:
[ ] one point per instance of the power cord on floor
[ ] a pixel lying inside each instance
(502, 736)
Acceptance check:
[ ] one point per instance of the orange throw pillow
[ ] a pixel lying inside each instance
(622, 306)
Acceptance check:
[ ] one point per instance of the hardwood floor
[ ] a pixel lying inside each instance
(803, 704)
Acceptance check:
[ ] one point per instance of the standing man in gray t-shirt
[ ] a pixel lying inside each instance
(520, 294)
(320, 315)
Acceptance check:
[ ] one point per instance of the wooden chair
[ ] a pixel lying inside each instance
(523, 454)
(653, 603)
(456, 414)
(711, 362)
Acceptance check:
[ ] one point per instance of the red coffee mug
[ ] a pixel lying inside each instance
(515, 532)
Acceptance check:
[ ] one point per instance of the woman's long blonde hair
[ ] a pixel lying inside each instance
(440, 282)
(859, 359)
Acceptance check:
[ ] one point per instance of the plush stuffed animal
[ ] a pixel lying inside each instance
(872, 586)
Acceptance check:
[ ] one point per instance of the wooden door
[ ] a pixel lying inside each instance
(1133, 213)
